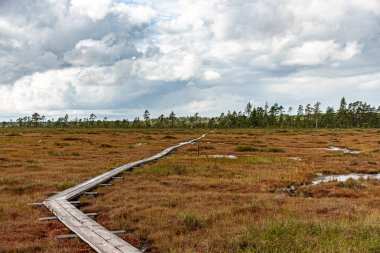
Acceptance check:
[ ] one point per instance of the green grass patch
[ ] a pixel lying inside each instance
(246, 148)
(65, 185)
(304, 236)
(165, 169)
(190, 221)
(54, 153)
(257, 160)
(351, 184)
(273, 150)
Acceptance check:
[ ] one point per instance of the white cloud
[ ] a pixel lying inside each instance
(99, 52)
(96, 10)
(318, 52)
(190, 55)
(135, 14)
(210, 75)
(352, 49)
(69, 88)
(173, 66)
(199, 106)
(303, 87)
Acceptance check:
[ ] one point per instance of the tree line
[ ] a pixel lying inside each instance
(352, 115)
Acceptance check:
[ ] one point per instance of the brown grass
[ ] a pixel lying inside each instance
(35, 163)
(186, 203)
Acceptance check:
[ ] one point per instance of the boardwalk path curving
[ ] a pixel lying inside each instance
(95, 235)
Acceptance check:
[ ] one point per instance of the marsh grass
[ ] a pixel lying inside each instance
(71, 139)
(3, 159)
(247, 148)
(65, 185)
(259, 160)
(236, 205)
(170, 137)
(201, 147)
(351, 184)
(37, 162)
(306, 236)
(190, 221)
(185, 203)
(206, 147)
(273, 150)
(61, 144)
(24, 187)
(13, 134)
(165, 169)
(55, 152)
(105, 145)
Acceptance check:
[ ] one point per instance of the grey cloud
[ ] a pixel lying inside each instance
(42, 35)
(100, 52)
(185, 55)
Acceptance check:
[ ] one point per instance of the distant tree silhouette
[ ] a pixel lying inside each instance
(354, 114)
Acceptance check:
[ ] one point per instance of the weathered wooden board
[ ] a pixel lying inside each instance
(95, 235)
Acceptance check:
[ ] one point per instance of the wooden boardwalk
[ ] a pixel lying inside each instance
(95, 235)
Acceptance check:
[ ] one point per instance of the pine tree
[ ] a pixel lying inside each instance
(248, 109)
(330, 117)
(317, 112)
(342, 113)
(172, 118)
(146, 118)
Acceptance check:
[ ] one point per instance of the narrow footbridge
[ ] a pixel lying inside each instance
(95, 235)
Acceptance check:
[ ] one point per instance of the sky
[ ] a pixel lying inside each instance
(117, 58)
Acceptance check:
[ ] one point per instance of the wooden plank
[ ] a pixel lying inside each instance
(69, 236)
(54, 218)
(98, 243)
(95, 235)
(41, 204)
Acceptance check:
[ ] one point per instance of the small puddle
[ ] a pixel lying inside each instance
(295, 158)
(342, 178)
(138, 144)
(223, 156)
(344, 150)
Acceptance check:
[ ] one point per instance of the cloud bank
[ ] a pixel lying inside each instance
(116, 58)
